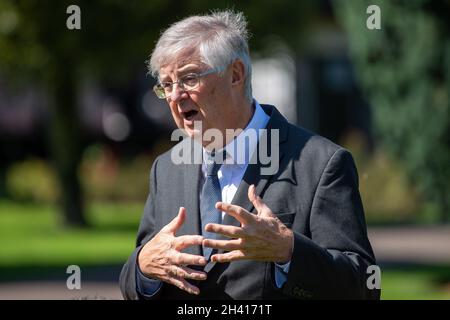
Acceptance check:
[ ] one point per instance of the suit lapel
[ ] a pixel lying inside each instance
(191, 190)
(253, 172)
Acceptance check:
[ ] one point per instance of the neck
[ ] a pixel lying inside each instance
(243, 114)
(247, 110)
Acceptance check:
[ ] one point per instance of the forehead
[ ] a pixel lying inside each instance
(175, 69)
(180, 64)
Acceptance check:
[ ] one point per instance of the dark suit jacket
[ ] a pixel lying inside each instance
(315, 193)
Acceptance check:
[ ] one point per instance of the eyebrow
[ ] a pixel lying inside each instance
(186, 69)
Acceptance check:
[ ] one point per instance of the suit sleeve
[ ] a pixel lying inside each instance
(127, 282)
(332, 264)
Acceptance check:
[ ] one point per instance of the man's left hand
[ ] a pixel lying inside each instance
(261, 236)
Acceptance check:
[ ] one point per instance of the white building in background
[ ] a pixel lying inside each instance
(274, 82)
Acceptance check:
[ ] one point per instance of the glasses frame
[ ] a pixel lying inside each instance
(161, 94)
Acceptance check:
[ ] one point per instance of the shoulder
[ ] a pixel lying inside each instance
(308, 144)
(315, 155)
(298, 141)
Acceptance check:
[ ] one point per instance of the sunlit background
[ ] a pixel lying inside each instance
(80, 127)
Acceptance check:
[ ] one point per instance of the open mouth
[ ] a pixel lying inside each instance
(189, 115)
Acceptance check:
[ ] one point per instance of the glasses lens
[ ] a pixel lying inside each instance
(190, 81)
(159, 91)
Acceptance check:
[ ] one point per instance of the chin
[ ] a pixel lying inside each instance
(192, 133)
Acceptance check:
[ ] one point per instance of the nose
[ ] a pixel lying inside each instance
(177, 92)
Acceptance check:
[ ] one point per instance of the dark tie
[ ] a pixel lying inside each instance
(211, 193)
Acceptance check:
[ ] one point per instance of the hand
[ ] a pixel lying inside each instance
(261, 237)
(161, 259)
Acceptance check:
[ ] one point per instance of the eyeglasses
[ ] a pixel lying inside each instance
(188, 82)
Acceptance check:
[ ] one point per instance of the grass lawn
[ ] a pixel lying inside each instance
(32, 236)
(419, 282)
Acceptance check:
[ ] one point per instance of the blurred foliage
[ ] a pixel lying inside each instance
(404, 69)
(386, 193)
(115, 39)
(388, 196)
(105, 177)
(32, 180)
(117, 36)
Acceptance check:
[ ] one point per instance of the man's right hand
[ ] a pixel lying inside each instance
(161, 259)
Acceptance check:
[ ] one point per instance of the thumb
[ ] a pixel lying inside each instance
(177, 222)
(259, 204)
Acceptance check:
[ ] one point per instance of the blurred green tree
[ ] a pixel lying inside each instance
(36, 46)
(404, 69)
(115, 39)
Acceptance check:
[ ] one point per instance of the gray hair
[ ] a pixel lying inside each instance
(218, 39)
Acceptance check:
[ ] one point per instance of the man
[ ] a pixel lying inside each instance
(216, 229)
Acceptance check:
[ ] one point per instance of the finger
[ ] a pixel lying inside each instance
(188, 259)
(252, 196)
(242, 215)
(194, 274)
(184, 285)
(259, 204)
(177, 222)
(185, 241)
(227, 231)
(227, 245)
(229, 256)
(186, 273)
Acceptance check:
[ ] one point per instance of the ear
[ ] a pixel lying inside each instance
(238, 73)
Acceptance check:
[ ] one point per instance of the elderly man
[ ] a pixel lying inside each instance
(215, 229)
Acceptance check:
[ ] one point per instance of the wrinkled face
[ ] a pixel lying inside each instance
(209, 102)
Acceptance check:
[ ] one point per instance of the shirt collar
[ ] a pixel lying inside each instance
(241, 156)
